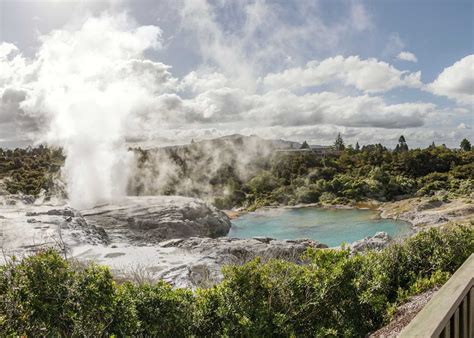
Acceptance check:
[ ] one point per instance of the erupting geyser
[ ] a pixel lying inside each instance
(91, 82)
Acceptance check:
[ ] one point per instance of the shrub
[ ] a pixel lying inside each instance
(262, 183)
(33, 296)
(160, 310)
(333, 293)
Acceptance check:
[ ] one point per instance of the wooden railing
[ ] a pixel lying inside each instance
(450, 313)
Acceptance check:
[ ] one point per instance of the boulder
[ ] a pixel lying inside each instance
(152, 219)
(377, 242)
(240, 250)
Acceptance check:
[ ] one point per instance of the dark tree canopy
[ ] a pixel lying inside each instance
(465, 145)
(339, 144)
(402, 145)
(305, 145)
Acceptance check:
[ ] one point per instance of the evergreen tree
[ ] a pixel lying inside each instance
(402, 145)
(305, 145)
(357, 147)
(339, 144)
(465, 145)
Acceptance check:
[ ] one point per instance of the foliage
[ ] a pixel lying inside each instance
(339, 143)
(374, 172)
(222, 174)
(402, 145)
(465, 145)
(29, 170)
(304, 145)
(332, 293)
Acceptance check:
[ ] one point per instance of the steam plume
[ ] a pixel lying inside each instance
(89, 83)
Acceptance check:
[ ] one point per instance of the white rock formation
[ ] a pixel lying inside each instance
(128, 237)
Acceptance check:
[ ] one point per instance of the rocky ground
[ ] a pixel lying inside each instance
(426, 211)
(140, 238)
(151, 219)
(174, 238)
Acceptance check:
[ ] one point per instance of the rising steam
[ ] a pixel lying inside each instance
(89, 84)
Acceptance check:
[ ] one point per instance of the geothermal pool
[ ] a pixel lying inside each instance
(328, 226)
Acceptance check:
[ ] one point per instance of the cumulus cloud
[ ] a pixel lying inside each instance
(456, 82)
(371, 75)
(407, 56)
(285, 108)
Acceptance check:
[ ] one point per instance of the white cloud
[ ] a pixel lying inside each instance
(462, 125)
(407, 56)
(360, 17)
(456, 82)
(203, 80)
(6, 49)
(284, 108)
(393, 46)
(258, 37)
(369, 75)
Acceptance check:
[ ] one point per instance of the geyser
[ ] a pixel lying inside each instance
(90, 83)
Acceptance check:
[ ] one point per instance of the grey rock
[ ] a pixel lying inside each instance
(263, 239)
(213, 253)
(231, 250)
(28, 199)
(429, 205)
(377, 242)
(171, 242)
(152, 219)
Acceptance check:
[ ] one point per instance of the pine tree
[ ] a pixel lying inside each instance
(402, 145)
(357, 147)
(339, 144)
(465, 145)
(305, 145)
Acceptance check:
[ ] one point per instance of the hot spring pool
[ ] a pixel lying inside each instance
(328, 226)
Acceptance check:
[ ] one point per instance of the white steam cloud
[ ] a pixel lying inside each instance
(88, 83)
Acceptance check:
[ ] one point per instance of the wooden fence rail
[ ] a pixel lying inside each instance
(450, 313)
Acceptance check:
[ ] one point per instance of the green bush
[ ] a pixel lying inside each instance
(333, 293)
(160, 310)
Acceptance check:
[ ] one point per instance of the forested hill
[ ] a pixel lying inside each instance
(242, 173)
(238, 171)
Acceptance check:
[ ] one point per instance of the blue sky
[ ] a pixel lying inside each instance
(280, 69)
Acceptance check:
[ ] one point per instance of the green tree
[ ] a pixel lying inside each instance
(305, 145)
(465, 145)
(339, 144)
(357, 147)
(402, 145)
